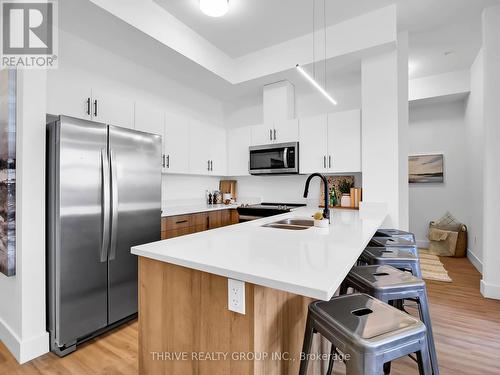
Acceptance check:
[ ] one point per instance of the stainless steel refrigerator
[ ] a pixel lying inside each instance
(103, 196)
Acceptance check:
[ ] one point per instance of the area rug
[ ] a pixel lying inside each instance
(432, 268)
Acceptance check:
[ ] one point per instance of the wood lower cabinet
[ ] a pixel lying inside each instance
(181, 225)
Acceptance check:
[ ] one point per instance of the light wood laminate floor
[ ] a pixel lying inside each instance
(466, 328)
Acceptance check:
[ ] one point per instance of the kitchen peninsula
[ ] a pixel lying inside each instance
(183, 292)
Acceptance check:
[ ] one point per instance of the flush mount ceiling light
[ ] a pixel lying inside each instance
(214, 8)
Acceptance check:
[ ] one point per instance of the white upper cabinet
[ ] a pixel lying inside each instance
(344, 141)
(331, 143)
(110, 107)
(286, 131)
(217, 151)
(199, 147)
(313, 146)
(238, 142)
(207, 149)
(176, 144)
(279, 131)
(151, 119)
(73, 99)
(261, 134)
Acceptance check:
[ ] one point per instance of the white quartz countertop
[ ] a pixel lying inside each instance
(311, 262)
(194, 208)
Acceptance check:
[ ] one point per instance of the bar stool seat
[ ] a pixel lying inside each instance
(390, 242)
(399, 257)
(371, 332)
(395, 233)
(391, 285)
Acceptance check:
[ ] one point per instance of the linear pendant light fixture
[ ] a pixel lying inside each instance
(214, 8)
(312, 80)
(316, 84)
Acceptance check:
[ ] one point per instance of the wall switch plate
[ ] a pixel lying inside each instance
(236, 296)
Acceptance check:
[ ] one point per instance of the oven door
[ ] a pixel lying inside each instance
(282, 158)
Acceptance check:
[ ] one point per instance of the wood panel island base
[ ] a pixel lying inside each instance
(186, 328)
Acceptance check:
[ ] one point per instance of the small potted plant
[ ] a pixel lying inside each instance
(345, 189)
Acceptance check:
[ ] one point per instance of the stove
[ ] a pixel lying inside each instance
(257, 211)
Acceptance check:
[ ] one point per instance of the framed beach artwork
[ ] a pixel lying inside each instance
(8, 172)
(426, 168)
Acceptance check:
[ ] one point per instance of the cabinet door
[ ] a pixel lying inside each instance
(176, 143)
(344, 141)
(199, 147)
(150, 119)
(214, 219)
(261, 134)
(286, 131)
(238, 142)
(67, 97)
(313, 150)
(112, 108)
(217, 151)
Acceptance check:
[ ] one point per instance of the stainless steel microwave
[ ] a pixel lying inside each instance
(279, 158)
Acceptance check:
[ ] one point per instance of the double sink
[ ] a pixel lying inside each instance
(291, 224)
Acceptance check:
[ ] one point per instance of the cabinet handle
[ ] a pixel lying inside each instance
(168, 161)
(211, 165)
(324, 161)
(208, 165)
(274, 134)
(329, 161)
(270, 134)
(95, 108)
(181, 222)
(88, 106)
(163, 160)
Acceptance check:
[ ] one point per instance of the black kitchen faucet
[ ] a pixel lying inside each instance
(326, 211)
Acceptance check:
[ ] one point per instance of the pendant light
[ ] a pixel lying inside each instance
(307, 76)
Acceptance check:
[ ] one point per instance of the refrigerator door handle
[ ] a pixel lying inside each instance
(114, 205)
(105, 205)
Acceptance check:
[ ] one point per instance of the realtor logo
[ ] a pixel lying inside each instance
(28, 34)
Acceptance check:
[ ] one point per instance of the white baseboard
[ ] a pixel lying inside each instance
(10, 339)
(26, 350)
(475, 261)
(490, 291)
(422, 244)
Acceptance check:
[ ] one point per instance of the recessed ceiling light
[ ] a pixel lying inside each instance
(214, 8)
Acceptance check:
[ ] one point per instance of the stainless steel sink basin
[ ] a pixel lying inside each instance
(291, 224)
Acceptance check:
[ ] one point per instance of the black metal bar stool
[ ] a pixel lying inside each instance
(370, 332)
(395, 233)
(399, 257)
(391, 285)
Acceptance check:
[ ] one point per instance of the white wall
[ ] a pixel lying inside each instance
(490, 285)
(474, 133)
(282, 189)
(439, 128)
(384, 98)
(22, 311)
(183, 189)
(248, 110)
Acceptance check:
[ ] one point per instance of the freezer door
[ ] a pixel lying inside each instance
(77, 264)
(135, 159)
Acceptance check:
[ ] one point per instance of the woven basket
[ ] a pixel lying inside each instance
(461, 248)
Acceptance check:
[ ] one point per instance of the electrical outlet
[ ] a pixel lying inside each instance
(236, 296)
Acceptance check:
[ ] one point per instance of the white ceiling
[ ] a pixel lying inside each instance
(435, 26)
